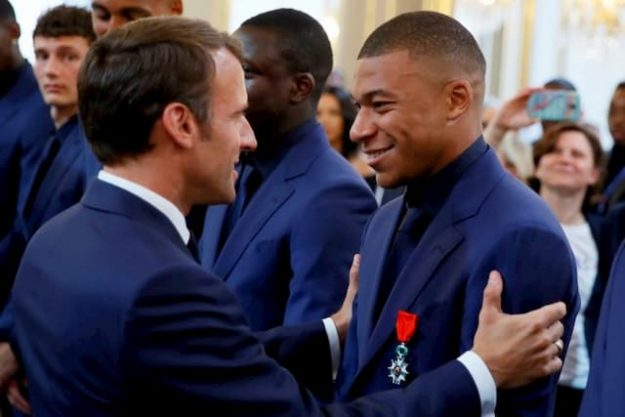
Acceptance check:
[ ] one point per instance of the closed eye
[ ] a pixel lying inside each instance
(381, 105)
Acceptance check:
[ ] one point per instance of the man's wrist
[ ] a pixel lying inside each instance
(484, 381)
(335, 345)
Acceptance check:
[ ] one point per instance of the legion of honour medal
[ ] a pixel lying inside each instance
(405, 326)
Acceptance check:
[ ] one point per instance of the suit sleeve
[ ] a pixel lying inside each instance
(538, 268)
(604, 393)
(304, 351)
(188, 351)
(322, 246)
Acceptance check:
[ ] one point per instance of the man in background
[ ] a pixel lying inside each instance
(285, 245)
(61, 40)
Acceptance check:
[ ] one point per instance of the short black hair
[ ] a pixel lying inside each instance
(426, 33)
(130, 75)
(620, 86)
(304, 45)
(65, 21)
(7, 12)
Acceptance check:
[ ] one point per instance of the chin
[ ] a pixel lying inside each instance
(387, 181)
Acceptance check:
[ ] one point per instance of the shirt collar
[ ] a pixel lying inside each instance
(430, 194)
(160, 203)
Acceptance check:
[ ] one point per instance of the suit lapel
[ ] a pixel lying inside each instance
(418, 271)
(62, 165)
(209, 243)
(440, 240)
(372, 267)
(268, 199)
(272, 194)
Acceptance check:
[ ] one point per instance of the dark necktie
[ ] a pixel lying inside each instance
(407, 237)
(193, 248)
(248, 183)
(42, 170)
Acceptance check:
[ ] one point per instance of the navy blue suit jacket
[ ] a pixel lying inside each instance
(604, 393)
(288, 256)
(115, 318)
(59, 182)
(25, 125)
(62, 182)
(489, 221)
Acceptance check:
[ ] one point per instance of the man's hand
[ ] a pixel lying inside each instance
(343, 317)
(512, 115)
(8, 363)
(518, 349)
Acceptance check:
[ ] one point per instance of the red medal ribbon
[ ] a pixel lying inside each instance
(406, 325)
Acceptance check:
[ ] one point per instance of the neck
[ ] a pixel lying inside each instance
(156, 180)
(269, 136)
(566, 206)
(61, 114)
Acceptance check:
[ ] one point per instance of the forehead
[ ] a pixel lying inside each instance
(115, 6)
(391, 73)
(573, 138)
(330, 100)
(49, 43)
(259, 44)
(228, 93)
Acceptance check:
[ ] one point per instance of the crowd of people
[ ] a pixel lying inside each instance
(194, 223)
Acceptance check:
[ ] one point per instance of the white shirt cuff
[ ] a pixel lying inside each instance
(483, 380)
(335, 344)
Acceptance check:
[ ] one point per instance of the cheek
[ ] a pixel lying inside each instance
(99, 27)
(38, 69)
(338, 123)
(73, 73)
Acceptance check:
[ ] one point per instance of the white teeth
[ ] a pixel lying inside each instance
(373, 155)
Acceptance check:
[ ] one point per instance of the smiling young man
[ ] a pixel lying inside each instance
(420, 85)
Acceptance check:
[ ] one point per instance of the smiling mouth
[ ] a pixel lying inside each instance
(373, 155)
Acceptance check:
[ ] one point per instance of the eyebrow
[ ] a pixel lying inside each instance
(67, 48)
(370, 94)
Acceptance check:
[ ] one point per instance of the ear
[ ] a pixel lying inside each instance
(176, 7)
(303, 84)
(459, 98)
(14, 30)
(180, 124)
